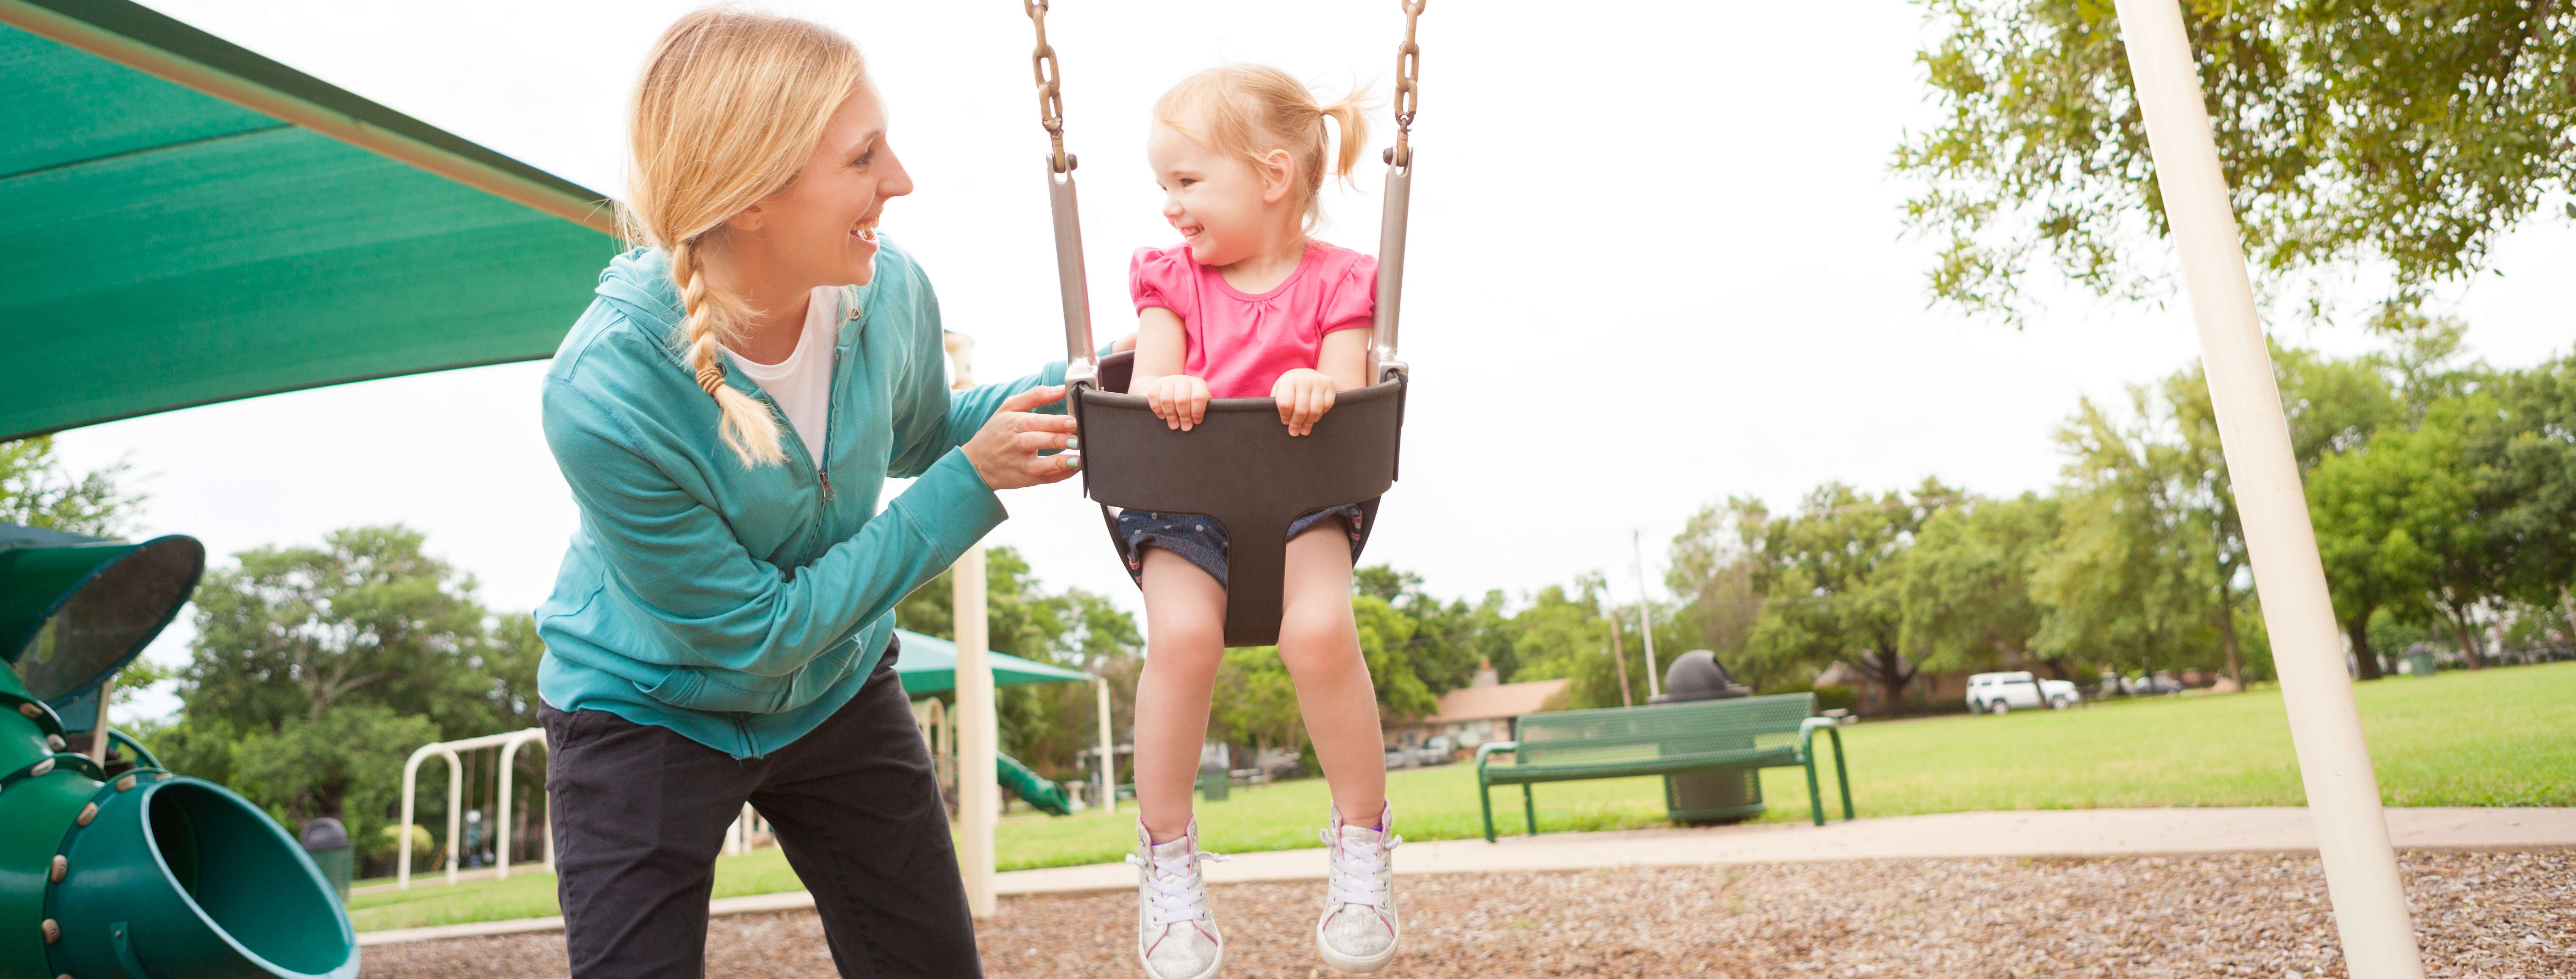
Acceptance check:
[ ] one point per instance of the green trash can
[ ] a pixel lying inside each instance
(2419, 662)
(1214, 784)
(327, 842)
(1695, 798)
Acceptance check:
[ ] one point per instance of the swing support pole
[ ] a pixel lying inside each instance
(2377, 933)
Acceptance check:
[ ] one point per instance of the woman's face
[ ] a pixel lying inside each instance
(823, 227)
(1218, 201)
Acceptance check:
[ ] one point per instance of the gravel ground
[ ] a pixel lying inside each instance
(2487, 915)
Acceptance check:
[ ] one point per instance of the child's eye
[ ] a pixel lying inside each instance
(1186, 181)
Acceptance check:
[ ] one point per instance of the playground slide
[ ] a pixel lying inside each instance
(1039, 792)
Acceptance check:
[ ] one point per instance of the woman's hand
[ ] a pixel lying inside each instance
(1304, 395)
(1179, 400)
(1005, 451)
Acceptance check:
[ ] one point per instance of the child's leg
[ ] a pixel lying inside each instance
(1184, 640)
(1321, 647)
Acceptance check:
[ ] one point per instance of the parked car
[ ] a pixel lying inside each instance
(1436, 750)
(1999, 693)
(1398, 758)
(2148, 686)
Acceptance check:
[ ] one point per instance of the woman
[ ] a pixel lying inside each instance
(721, 628)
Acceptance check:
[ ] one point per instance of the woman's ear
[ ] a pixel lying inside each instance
(748, 220)
(1278, 176)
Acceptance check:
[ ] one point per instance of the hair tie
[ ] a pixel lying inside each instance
(711, 377)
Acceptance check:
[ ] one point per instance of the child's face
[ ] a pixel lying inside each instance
(1218, 201)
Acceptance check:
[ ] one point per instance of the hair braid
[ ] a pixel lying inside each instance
(749, 428)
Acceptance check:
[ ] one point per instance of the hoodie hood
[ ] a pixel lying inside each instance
(639, 284)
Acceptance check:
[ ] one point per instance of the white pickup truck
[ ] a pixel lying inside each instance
(1998, 693)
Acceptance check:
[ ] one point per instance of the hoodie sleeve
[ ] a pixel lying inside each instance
(713, 602)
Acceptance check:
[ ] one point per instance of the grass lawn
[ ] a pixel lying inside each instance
(2501, 737)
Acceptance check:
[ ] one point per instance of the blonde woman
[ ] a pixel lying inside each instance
(726, 411)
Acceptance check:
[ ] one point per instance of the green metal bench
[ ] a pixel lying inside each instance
(1743, 734)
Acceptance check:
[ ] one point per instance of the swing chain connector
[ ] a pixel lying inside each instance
(1050, 88)
(1408, 87)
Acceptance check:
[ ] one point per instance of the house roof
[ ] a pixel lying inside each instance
(1499, 700)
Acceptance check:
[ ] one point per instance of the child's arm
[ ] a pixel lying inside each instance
(1305, 394)
(1162, 350)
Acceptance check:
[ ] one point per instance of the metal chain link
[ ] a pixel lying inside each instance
(1408, 87)
(1050, 90)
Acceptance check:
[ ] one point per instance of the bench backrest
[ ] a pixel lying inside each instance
(1622, 733)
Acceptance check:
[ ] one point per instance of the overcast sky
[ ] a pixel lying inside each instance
(1656, 260)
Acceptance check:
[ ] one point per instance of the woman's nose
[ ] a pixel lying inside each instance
(898, 180)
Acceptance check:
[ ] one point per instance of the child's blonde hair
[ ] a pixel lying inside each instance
(1250, 110)
(730, 106)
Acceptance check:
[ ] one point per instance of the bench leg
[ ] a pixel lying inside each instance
(1485, 796)
(1842, 774)
(1816, 795)
(1529, 809)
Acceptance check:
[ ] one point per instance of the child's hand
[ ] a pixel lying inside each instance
(1179, 400)
(1304, 396)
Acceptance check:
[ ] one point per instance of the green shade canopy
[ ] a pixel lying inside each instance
(193, 223)
(928, 664)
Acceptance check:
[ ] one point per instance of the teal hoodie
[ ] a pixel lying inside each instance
(741, 607)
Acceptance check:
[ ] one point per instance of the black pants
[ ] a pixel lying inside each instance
(640, 814)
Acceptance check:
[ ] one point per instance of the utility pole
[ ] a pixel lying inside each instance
(1619, 657)
(1645, 615)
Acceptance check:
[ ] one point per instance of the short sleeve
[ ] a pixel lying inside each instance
(1352, 301)
(1159, 277)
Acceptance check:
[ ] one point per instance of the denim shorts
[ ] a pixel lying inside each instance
(1201, 541)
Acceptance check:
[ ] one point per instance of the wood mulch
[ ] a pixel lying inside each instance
(2498, 915)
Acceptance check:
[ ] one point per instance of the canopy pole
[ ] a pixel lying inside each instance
(979, 733)
(2369, 900)
(1108, 751)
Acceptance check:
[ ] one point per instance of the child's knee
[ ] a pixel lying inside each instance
(1319, 639)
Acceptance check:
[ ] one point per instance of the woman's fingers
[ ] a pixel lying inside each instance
(1030, 399)
(1042, 441)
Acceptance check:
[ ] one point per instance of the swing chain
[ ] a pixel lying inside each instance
(1408, 87)
(1050, 91)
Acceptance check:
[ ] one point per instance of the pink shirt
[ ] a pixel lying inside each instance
(1240, 343)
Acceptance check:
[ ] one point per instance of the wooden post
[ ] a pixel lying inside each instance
(979, 732)
(2325, 726)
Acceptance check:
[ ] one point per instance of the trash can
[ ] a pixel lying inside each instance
(1709, 797)
(1214, 784)
(2419, 661)
(327, 842)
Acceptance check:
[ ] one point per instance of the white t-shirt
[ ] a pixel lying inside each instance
(802, 384)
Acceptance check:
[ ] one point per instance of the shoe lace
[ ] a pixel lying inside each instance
(1356, 868)
(1174, 886)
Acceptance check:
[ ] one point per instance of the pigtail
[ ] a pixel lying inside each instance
(748, 427)
(1351, 117)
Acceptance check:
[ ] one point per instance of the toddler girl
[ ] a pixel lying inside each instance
(1249, 306)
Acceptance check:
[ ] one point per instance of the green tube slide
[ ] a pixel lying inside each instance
(1036, 791)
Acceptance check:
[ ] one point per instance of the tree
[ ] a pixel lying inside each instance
(1451, 639)
(2330, 405)
(1712, 571)
(2416, 134)
(1964, 596)
(37, 490)
(2129, 580)
(1830, 575)
(2526, 461)
(1046, 726)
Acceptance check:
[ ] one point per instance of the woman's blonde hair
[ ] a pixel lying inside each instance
(1250, 110)
(730, 106)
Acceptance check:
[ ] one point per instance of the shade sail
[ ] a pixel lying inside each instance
(928, 664)
(190, 222)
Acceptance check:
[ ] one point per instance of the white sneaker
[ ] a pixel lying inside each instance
(1359, 930)
(1176, 938)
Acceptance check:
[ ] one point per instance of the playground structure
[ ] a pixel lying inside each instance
(507, 747)
(107, 861)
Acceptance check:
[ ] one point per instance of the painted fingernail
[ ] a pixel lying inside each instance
(1073, 443)
(1071, 462)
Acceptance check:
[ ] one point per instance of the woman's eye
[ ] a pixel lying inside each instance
(864, 158)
